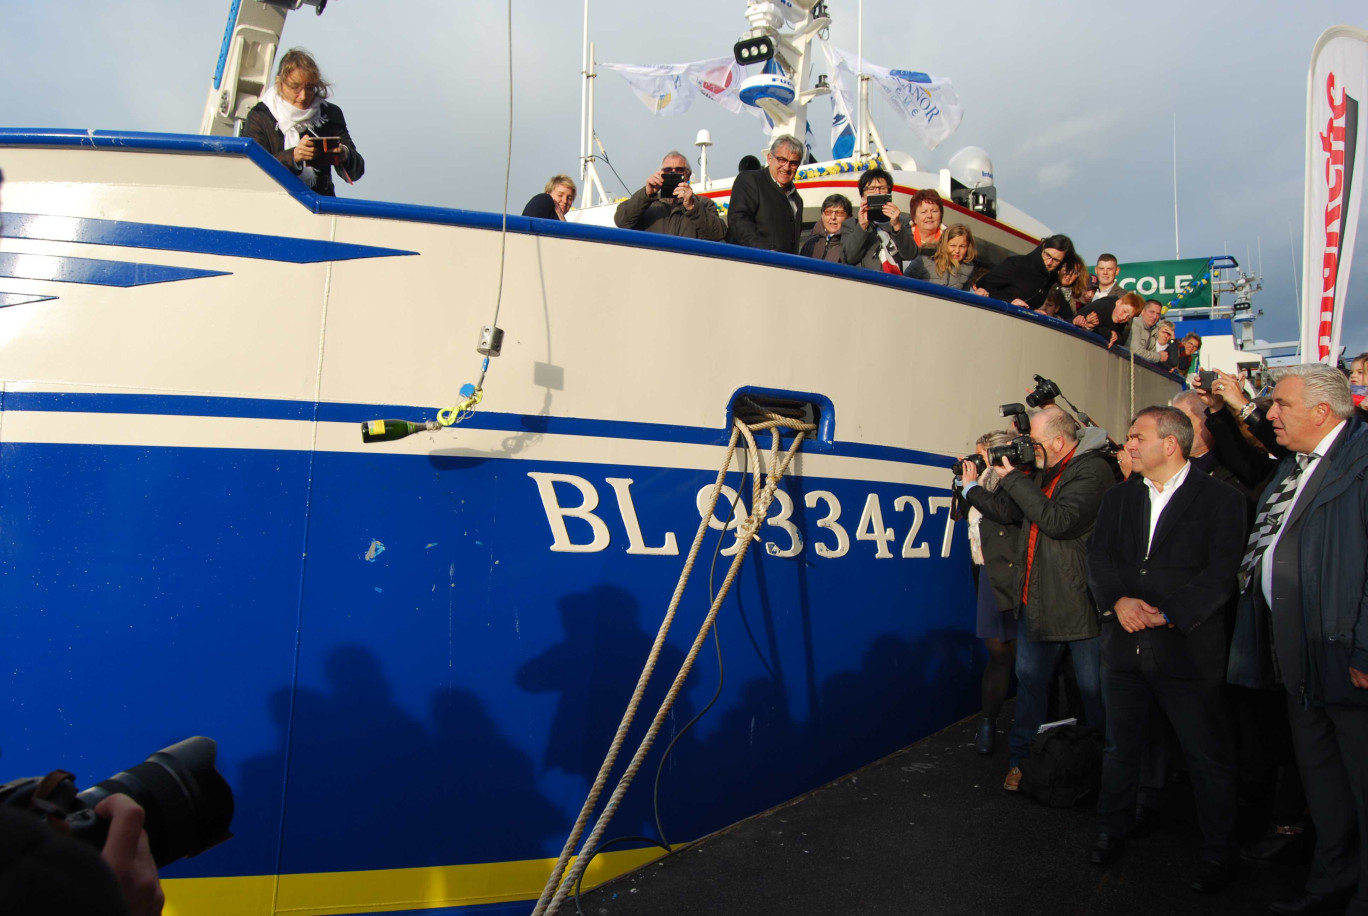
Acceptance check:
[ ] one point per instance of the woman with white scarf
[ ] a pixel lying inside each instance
(291, 118)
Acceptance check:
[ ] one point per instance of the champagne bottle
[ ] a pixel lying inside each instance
(389, 430)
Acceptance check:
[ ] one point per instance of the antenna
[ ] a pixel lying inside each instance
(1296, 284)
(1176, 255)
(703, 141)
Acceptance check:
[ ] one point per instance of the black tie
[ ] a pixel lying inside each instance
(1271, 518)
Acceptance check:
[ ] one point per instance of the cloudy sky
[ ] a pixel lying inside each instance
(1075, 102)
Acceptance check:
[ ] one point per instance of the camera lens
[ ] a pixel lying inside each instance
(189, 805)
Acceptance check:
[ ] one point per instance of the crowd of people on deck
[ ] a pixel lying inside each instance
(309, 136)
(1208, 585)
(766, 212)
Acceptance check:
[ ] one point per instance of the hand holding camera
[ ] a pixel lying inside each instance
(669, 185)
(327, 151)
(128, 854)
(879, 208)
(970, 467)
(305, 150)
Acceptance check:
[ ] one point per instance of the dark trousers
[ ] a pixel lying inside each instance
(1266, 762)
(1195, 709)
(1332, 751)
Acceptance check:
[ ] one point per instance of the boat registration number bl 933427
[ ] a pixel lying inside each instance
(782, 533)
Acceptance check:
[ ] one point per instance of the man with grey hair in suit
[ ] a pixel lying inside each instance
(1301, 621)
(765, 209)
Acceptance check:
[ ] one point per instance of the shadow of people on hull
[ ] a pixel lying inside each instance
(368, 786)
(759, 757)
(594, 670)
(903, 691)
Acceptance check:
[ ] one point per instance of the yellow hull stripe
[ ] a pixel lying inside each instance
(327, 893)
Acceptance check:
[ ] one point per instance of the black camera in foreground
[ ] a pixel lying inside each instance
(189, 805)
(668, 183)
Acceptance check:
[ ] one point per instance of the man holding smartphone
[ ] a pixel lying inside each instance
(668, 205)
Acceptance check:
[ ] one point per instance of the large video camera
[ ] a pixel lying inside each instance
(189, 806)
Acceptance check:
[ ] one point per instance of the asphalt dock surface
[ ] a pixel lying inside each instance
(930, 830)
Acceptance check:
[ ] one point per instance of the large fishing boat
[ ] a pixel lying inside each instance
(414, 653)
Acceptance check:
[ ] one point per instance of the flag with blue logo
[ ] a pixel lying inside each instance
(842, 104)
(927, 103)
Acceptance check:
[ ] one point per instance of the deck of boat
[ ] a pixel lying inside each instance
(930, 830)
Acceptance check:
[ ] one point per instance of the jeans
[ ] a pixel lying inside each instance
(1035, 667)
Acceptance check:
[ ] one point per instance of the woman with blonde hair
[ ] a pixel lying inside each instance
(992, 546)
(953, 263)
(303, 132)
(555, 201)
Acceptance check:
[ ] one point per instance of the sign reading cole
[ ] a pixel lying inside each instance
(1176, 284)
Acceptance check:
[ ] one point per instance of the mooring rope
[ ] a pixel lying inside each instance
(562, 882)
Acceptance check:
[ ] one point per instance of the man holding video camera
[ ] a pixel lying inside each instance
(668, 205)
(1056, 507)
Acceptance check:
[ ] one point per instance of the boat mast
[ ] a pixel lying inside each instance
(793, 51)
(589, 176)
(865, 129)
(862, 96)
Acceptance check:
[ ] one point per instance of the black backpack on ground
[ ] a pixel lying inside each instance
(1065, 766)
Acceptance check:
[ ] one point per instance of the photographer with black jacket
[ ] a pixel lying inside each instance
(1056, 507)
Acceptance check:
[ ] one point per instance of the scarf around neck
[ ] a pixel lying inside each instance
(293, 122)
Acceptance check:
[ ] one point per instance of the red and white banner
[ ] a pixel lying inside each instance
(1336, 92)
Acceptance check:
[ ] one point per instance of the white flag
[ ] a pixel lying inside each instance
(928, 103)
(1337, 89)
(668, 89)
(842, 104)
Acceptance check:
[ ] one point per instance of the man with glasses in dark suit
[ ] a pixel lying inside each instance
(765, 209)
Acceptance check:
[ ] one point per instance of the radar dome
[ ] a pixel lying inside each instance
(972, 168)
(767, 86)
(900, 161)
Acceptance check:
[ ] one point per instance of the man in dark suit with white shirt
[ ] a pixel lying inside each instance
(1301, 621)
(1161, 565)
(765, 210)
